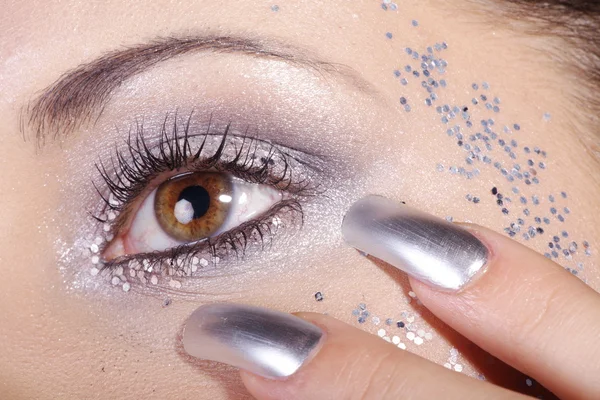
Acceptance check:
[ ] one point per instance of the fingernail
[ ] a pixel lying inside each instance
(265, 342)
(432, 250)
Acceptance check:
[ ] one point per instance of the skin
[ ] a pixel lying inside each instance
(66, 335)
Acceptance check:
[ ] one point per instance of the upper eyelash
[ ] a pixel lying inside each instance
(132, 170)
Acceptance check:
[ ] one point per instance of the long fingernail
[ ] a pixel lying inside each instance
(265, 342)
(430, 249)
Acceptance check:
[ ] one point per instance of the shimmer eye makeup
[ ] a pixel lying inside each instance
(209, 173)
(183, 184)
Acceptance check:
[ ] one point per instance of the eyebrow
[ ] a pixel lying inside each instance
(80, 95)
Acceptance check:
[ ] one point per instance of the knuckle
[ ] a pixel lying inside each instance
(384, 379)
(541, 312)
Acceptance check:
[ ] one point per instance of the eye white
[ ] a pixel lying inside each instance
(248, 200)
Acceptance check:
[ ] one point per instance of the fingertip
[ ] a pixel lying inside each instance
(512, 309)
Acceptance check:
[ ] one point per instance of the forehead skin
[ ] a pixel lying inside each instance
(61, 342)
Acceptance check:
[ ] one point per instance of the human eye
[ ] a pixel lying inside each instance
(187, 199)
(192, 207)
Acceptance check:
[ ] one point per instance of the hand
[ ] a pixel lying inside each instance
(524, 309)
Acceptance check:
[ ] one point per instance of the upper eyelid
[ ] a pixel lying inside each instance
(80, 95)
(307, 157)
(310, 159)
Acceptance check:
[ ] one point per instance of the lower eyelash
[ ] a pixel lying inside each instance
(253, 235)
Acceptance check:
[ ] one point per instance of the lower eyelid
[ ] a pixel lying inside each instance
(208, 256)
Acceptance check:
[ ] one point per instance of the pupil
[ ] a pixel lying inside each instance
(199, 199)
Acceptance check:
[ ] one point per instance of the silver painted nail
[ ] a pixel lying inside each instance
(428, 248)
(265, 342)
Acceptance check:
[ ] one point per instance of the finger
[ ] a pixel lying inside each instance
(317, 357)
(530, 313)
(509, 300)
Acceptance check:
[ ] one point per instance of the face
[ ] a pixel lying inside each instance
(203, 152)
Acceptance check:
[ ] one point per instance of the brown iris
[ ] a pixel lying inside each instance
(194, 206)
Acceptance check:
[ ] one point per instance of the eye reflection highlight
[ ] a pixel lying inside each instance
(190, 208)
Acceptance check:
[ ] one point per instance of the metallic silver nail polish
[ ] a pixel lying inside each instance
(428, 248)
(265, 342)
